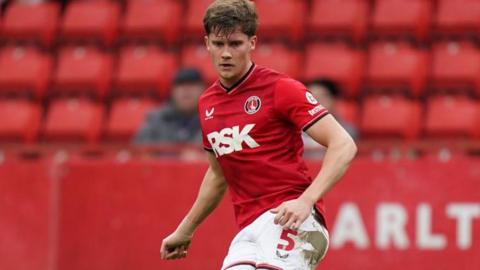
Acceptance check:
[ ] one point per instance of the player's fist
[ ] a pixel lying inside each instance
(291, 214)
(175, 246)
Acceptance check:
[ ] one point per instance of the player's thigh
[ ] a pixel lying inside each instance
(242, 252)
(293, 250)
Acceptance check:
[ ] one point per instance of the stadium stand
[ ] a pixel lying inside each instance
(391, 117)
(339, 19)
(455, 66)
(452, 117)
(197, 56)
(74, 120)
(413, 22)
(280, 58)
(31, 23)
(19, 120)
(24, 71)
(282, 19)
(348, 110)
(397, 66)
(83, 70)
(193, 26)
(457, 18)
(145, 69)
(91, 21)
(126, 117)
(338, 62)
(153, 20)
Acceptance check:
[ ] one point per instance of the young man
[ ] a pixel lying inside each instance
(252, 119)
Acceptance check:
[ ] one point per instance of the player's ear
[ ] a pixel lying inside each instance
(253, 42)
(207, 45)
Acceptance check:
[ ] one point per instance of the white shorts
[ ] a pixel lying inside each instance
(264, 245)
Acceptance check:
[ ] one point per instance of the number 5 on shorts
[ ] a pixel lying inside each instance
(287, 236)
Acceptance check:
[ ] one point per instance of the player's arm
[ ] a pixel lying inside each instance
(340, 151)
(209, 196)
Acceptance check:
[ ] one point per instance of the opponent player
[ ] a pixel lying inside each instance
(252, 119)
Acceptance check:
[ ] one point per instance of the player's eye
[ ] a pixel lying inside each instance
(217, 43)
(236, 43)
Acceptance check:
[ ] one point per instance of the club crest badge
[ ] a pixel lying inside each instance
(252, 105)
(311, 98)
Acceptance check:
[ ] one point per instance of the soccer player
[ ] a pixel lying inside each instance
(252, 118)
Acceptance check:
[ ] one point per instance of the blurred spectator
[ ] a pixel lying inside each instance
(177, 120)
(327, 92)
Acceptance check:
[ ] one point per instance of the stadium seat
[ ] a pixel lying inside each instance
(452, 116)
(456, 66)
(145, 70)
(397, 66)
(24, 70)
(281, 19)
(198, 57)
(19, 120)
(333, 18)
(28, 22)
(83, 70)
(337, 62)
(126, 117)
(73, 120)
(193, 25)
(153, 20)
(348, 110)
(412, 21)
(91, 21)
(457, 18)
(280, 58)
(390, 117)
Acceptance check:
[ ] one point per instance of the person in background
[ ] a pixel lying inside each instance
(326, 91)
(177, 120)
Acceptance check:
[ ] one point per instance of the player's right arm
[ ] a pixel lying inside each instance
(209, 196)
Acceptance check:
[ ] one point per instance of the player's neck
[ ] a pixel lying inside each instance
(229, 83)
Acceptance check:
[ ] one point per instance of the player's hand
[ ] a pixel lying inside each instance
(291, 214)
(175, 246)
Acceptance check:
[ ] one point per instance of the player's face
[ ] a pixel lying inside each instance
(230, 54)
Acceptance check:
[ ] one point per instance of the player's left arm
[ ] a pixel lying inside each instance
(341, 149)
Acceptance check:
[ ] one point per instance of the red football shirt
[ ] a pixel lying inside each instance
(254, 128)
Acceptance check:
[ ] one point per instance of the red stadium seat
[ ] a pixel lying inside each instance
(74, 120)
(452, 116)
(336, 62)
(27, 22)
(456, 65)
(153, 20)
(126, 117)
(193, 25)
(83, 70)
(197, 56)
(19, 120)
(347, 110)
(24, 70)
(281, 18)
(145, 69)
(458, 18)
(390, 117)
(397, 66)
(333, 18)
(412, 21)
(280, 58)
(91, 21)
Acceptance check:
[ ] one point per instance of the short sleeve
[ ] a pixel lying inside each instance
(294, 103)
(205, 142)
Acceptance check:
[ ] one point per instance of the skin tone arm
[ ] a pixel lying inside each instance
(209, 196)
(340, 151)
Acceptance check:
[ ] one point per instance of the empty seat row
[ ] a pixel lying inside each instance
(82, 120)
(71, 120)
(384, 67)
(170, 21)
